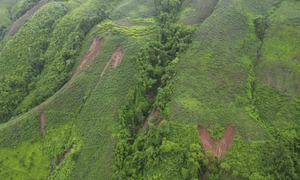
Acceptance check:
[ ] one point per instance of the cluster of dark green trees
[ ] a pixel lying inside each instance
(136, 152)
(156, 154)
(3, 31)
(283, 152)
(156, 68)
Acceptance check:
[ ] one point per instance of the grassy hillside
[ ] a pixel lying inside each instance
(224, 78)
(127, 89)
(11, 10)
(22, 7)
(56, 42)
(214, 75)
(5, 6)
(6, 16)
(69, 110)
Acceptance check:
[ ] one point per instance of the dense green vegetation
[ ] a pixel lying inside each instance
(137, 154)
(22, 7)
(11, 10)
(156, 67)
(6, 17)
(162, 69)
(170, 151)
(67, 113)
(16, 76)
(38, 74)
(224, 85)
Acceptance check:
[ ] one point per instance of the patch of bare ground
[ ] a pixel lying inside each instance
(218, 147)
(94, 50)
(42, 123)
(153, 116)
(269, 81)
(115, 58)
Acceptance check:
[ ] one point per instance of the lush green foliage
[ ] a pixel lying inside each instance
(170, 151)
(28, 45)
(229, 84)
(40, 73)
(6, 17)
(156, 68)
(184, 63)
(69, 110)
(137, 156)
(216, 131)
(22, 7)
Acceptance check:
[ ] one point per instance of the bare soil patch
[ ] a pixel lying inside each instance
(146, 123)
(154, 115)
(115, 58)
(94, 50)
(42, 123)
(218, 147)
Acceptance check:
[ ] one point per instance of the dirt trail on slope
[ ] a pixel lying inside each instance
(115, 58)
(218, 147)
(18, 24)
(65, 155)
(43, 123)
(91, 54)
(61, 160)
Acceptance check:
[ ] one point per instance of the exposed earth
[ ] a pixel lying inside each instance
(218, 147)
(91, 54)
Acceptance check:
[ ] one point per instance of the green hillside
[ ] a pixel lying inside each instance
(153, 89)
(5, 14)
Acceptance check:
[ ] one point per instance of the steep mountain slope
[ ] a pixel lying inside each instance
(228, 77)
(5, 21)
(64, 126)
(154, 89)
(11, 10)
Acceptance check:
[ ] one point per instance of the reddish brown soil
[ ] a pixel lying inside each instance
(43, 123)
(146, 123)
(115, 58)
(91, 54)
(153, 115)
(218, 147)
